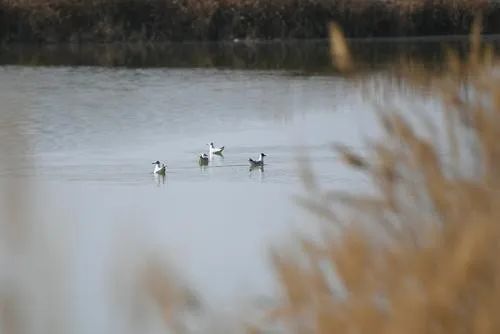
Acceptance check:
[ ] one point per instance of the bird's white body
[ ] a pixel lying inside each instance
(215, 150)
(159, 168)
(259, 162)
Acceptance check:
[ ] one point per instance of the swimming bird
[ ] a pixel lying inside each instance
(159, 168)
(256, 163)
(215, 150)
(203, 159)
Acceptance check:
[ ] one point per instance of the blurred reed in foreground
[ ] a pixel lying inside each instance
(419, 254)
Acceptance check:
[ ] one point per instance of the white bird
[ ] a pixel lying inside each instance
(260, 162)
(203, 159)
(215, 150)
(159, 168)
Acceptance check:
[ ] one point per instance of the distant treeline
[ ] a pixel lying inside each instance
(179, 20)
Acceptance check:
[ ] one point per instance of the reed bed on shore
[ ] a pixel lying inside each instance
(52, 21)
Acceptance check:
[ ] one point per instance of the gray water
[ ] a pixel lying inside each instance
(80, 141)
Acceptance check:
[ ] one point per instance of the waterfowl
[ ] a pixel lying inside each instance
(256, 163)
(215, 150)
(203, 159)
(159, 168)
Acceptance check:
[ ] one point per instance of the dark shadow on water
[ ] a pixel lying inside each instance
(256, 171)
(292, 56)
(219, 156)
(259, 168)
(159, 179)
(202, 163)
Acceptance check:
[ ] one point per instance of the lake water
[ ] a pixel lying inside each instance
(80, 128)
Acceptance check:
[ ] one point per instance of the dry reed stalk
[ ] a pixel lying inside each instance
(339, 49)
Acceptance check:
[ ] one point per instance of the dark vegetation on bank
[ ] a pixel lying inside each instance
(176, 20)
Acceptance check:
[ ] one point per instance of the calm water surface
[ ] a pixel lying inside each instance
(81, 140)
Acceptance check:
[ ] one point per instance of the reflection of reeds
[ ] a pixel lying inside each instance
(418, 256)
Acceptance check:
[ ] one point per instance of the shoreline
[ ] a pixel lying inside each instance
(249, 42)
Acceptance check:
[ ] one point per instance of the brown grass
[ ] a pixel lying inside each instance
(420, 254)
